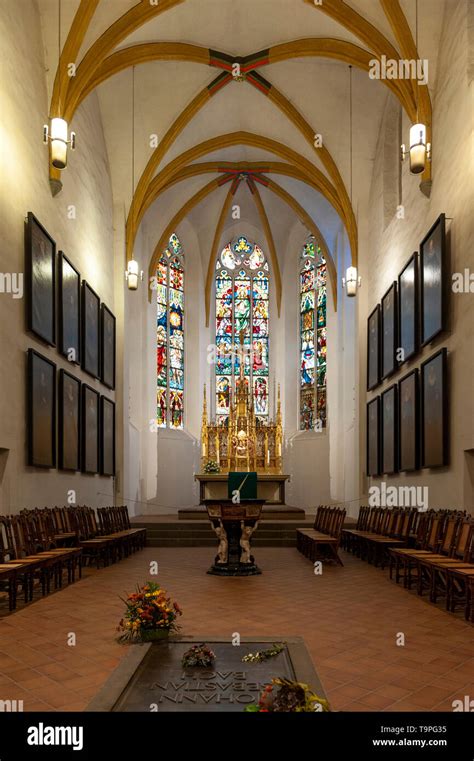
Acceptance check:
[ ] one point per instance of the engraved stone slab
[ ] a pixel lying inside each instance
(154, 680)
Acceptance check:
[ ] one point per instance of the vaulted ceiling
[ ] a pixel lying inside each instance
(180, 55)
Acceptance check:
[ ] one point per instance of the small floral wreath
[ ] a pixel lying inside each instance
(198, 655)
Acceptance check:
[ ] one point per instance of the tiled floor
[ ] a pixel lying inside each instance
(350, 618)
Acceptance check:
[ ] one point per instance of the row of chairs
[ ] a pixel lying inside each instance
(378, 529)
(441, 562)
(40, 545)
(322, 541)
(432, 550)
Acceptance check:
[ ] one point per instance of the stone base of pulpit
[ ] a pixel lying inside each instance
(234, 525)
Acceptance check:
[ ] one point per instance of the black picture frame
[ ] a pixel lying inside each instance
(434, 410)
(373, 348)
(90, 330)
(108, 347)
(373, 437)
(69, 312)
(433, 285)
(40, 270)
(107, 436)
(389, 331)
(90, 429)
(69, 425)
(389, 430)
(409, 422)
(41, 407)
(408, 322)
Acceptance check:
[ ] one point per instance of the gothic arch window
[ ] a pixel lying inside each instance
(242, 308)
(313, 336)
(170, 336)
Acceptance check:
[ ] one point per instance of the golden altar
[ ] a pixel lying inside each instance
(242, 442)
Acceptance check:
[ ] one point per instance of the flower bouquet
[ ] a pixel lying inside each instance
(292, 697)
(198, 655)
(150, 614)
(212, 466)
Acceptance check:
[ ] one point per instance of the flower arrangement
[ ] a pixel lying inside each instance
(198, 655)
(292, 697)
(212, 466)
(149, 614)
(262, 655)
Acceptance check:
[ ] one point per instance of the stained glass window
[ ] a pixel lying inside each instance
(313, 337)
(242, 299)
(170, 336)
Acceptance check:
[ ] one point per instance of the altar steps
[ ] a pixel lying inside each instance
(194, 533)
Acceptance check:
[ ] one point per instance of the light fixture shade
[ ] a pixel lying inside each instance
(59, 143)
(132, 275)
(351, 281)
(417, 148)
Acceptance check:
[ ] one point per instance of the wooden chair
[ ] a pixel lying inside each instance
(9, 579)
(326, 546)
(349, 536)
(46, 540)
(354, 537)
(460, 590)
(102, 549)
(395, 533)
(63, 533)
(405, 559)
(437, 573)
(30, 564)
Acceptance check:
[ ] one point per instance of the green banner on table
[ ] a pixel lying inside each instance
(245, 483)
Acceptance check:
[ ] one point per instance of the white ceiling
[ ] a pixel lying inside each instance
(317, 87)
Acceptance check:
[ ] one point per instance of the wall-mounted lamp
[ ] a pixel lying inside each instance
(132, 273)
(420, 150)
(57, 135)
(351, 282)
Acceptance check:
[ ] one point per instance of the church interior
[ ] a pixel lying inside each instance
(237, 350)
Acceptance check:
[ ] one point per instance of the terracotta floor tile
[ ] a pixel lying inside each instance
(375, 701)
(429, 696)
(393, 691)
(349, 619)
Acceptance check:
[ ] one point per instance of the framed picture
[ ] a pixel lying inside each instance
(389, 410)
(373, 349)
(409, 422)
(41, 424)
(90, 330)
(408, 309)
(389, 331)
(434, 418)
(90, 429)
(432, 281)
(373, 437)
(69, 421)
(69, 281)
(107, 365)
(40, 271)
(107, 437)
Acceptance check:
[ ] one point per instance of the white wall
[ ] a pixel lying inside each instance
(390, 247)
(87, 241)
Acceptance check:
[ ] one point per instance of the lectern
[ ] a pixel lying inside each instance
(234, 523)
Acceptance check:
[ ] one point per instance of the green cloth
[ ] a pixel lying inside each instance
(246, 483)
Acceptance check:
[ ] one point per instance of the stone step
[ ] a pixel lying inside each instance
(174, 533)
(205, 526)
(193, 542)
